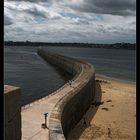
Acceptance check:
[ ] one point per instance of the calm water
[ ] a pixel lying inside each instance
(24, 68)
(119, 64)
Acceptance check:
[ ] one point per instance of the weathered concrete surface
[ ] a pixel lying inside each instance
(74, 104)
(66, 106)
(12, 113)
(32, 116)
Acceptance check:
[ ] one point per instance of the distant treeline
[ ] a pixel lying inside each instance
(107, 46)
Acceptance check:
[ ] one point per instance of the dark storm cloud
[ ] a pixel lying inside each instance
(114, 7)
(46, 20)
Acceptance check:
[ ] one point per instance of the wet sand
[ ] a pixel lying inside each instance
(112, 114)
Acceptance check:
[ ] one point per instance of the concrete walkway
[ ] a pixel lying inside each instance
(33, 114)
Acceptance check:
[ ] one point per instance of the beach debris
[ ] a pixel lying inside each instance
(97, 103)
(109, 133)
(91, 133)
(109, 101)
(84, 122)
(106, 109)
(102, 81)
(84, 66)
(70, 83)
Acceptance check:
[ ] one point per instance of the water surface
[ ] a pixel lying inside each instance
(24, 68)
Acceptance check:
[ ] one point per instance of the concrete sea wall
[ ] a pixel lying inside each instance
(12, 113)
(69, 109)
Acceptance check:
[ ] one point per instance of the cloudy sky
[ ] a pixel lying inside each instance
(89, 21)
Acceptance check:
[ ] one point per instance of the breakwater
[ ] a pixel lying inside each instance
(75, 100)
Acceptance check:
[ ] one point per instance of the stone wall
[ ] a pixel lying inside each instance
(12, 113)
(73, 105)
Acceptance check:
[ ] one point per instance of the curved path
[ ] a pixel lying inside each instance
(33, 114)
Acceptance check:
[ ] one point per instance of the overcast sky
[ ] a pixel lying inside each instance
(89, 21)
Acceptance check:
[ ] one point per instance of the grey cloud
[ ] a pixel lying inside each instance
(133, 23)
(79, 21)
(40, 11)
(82, 21)
(37, 21)
(31, 0)
(7, 20)
(101, 29)
(119, 4)
(37, 11)
(117, 7)
(32, 10)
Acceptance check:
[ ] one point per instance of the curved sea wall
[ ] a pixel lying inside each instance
(76, 98)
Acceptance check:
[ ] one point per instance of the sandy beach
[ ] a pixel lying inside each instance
(112, 114)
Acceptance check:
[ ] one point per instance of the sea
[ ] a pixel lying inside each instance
(37, 78)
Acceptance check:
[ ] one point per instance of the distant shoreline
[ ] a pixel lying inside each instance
(126, 46)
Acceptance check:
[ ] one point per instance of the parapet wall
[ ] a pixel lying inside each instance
(76, 99)
(12, 113)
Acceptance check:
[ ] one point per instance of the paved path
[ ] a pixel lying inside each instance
(33, 116)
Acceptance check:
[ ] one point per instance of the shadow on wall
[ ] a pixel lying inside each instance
(85, 122)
